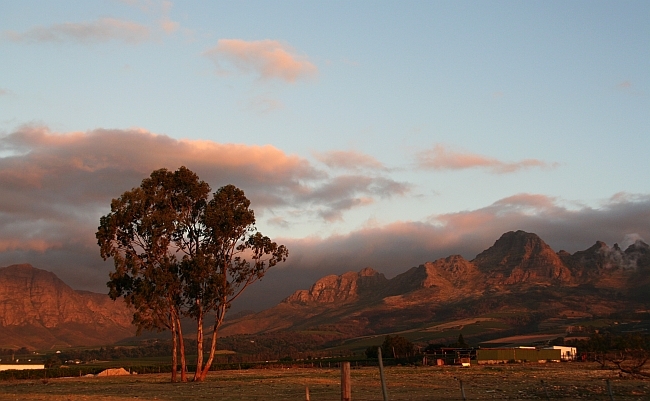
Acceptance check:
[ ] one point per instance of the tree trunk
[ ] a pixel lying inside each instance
(218, 318)
(181, 344)
(172, 317)
(199, 347)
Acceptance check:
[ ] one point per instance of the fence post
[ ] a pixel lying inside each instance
(346, 386)
(609, 390)
(462, 390)
(381, 375)
(307, 393)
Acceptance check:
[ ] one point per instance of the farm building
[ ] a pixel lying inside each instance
(524, 354)
(567, 353)
(450, 356)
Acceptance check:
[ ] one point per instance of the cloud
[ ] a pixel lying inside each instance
(278, 221)
(440, 158)
(268, 59)
(350, 191)
(348, 160)
(55, 186)
(159, 8)
(393, 248)
(101, 30)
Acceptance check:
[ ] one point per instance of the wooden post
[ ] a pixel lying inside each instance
(609, 390)
(462, 390)
(381, 375)
(306, 393)
(346, 386)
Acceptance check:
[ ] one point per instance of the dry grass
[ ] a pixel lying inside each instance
(566, 381)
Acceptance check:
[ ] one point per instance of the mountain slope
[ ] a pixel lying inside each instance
(519, 273)
(39, 310)
(519, 277)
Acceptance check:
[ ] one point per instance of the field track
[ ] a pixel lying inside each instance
(562, 381)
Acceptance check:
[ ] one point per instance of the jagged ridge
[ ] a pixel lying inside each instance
(37, 309)
(517, 263)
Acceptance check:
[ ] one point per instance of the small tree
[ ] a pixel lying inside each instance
(371, 352)
(397, 346)
(461, 342)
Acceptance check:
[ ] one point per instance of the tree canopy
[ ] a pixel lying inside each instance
(393, 346)
(178, 253)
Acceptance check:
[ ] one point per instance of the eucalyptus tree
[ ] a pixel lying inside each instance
(178, 254)
(147, 230)
(232, 256)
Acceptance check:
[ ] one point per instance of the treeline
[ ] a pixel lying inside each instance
(282, 343)
(153, 349)
(270, 346)
(17, 351)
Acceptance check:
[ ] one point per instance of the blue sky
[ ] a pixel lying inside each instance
(421, 128)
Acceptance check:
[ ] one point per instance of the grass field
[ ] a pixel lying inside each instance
(563, 381)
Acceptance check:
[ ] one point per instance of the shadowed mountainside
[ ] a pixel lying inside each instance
(520, 272)
(39, 310)
(519, 275)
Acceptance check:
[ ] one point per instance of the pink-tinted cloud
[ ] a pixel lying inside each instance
(441, 158)
(101, 30)
(166, 23)
(268, 59)
(54, 186)
(349, 160)
(158, 8)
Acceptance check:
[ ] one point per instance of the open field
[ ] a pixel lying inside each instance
(565, 381)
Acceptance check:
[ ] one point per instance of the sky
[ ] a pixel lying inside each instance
(383, 134)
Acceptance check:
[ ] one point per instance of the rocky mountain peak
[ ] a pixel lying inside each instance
(37, 301)
(347, 287)
(521, 257)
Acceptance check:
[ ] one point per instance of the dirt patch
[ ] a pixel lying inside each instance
(561, 381)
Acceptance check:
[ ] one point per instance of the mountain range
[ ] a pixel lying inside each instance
(520, 279)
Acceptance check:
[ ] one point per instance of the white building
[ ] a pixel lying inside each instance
(567, 353)
(21, 366)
